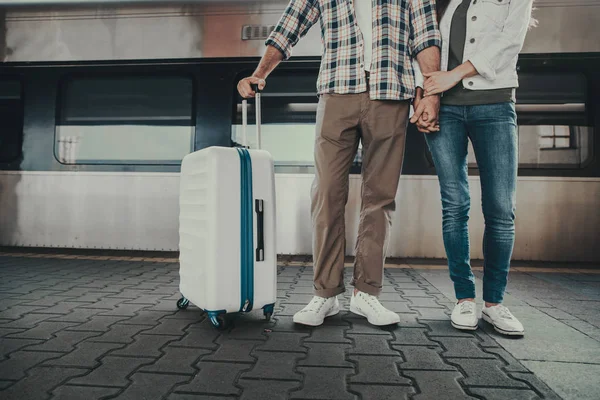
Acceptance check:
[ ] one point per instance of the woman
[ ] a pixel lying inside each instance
(481, 42)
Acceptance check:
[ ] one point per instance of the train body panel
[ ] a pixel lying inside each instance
(138, 211)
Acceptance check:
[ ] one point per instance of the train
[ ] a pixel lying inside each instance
(101, 100)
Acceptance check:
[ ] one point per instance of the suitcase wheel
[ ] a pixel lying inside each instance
(268, 311)
(218, 320)
(183, 303)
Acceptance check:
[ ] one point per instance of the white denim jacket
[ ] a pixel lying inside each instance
(496, 32)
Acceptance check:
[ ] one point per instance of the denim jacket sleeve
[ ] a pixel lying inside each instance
(298, 18)
(497, 50)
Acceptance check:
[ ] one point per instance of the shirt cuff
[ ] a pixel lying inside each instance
(428, 42)
(419, 80)
(281, 43)
(483, 67)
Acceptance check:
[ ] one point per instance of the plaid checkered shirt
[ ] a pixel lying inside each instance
(401, 29)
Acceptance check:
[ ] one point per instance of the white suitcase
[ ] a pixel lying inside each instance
(228, 259)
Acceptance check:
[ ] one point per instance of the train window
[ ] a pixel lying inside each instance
(11, 115)
(553, 117)
(125, 120)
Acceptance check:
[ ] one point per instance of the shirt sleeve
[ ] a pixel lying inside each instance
(496, 51)
(298, 18)
(424, 27)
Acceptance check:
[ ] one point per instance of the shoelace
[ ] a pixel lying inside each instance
(374, 303)
(466, 307)
(315, 304)
(504, 312)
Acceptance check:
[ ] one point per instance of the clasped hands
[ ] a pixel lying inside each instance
(427, 100)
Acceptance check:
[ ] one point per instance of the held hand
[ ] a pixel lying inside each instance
(426, 113)
(438, 82)
(245, 89)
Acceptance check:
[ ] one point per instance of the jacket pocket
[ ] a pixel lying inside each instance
(495, 11)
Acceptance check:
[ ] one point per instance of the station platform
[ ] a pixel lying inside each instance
(104, 325)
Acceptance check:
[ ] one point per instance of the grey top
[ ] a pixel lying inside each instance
(458, 95)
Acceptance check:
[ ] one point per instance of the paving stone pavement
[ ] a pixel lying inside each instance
(108, 328)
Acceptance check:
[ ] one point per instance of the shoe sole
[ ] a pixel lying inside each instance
(464, 327)
(331, 313)
(356, 311)
(504, 332)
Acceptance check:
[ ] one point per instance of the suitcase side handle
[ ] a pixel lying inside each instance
(257, 98)
(260, 235)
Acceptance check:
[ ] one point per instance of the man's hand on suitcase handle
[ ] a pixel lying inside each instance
(247, 86)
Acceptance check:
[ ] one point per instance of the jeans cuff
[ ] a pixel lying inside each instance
(464, 293)
(493, 296)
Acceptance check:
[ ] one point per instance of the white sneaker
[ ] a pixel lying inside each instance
(503, 321)
(317, 310)
(368, 306)
(464, 316)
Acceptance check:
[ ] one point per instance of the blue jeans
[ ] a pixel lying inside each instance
(492, 129)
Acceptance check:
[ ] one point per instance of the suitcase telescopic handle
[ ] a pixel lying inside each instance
(257, 106)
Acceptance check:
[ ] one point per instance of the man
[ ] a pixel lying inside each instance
(365, 86)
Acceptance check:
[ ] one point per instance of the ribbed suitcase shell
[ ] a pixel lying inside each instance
(210, 230)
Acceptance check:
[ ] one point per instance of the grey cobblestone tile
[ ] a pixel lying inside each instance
(406, 285)
(124, 310)
(85, 355)
(503, 394)
(398, 306)
(89, 296)
(410, 293)
(303, 299)
(113, 371)
(360, 325)
(62, 308)
(105, 303)
(286, 324)
(20, 312)
(324, 383)
(145, 346)
(423, 302)
(97, 324)
(390, 296)
(39, 382)
(412, 336)
(585, 328)
(377, 369)
(372, 345)
(144, 317)
(233, 350)
(284, 342)
(274, 366)
(214, 378)
(480, 372)
(423, 358)
(176, 360)
(328, 334)
(326, 355)
(119, 333)
(170, 327)
(77, 315)
(462, 347)
(437, 385)
(202, 336)
(82, 392)
(512, 365)
(380, 392)
(19, 362)
(43, 330)
(445, 328)
(271, 390)
(8, 345)
(535, 383)
(432, 313)
(64, 341)
(149, 386)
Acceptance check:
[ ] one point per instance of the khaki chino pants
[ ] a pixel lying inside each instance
(343, 120)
